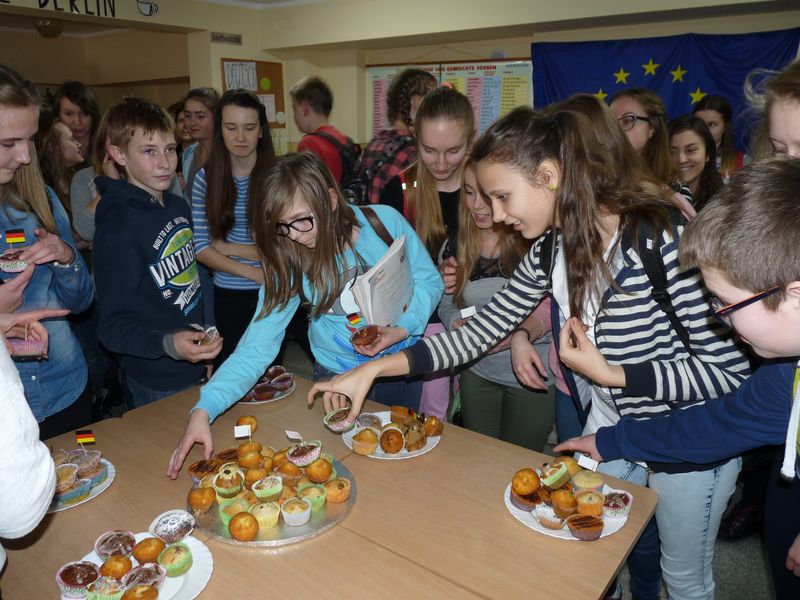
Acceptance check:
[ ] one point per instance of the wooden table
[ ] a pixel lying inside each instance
(430, 527)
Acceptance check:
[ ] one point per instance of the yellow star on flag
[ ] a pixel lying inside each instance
(677, 74)
(697, 95)
(622, 76)
(601, 95)
(650, 68)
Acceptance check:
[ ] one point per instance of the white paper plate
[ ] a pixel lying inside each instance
(185, 587)
(529, 519)
(56, 506)
(275, 398)
(385, 417)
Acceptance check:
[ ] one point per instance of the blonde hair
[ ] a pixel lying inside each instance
(283, 261)
(424, 208)
(27, 190)
(762, 95)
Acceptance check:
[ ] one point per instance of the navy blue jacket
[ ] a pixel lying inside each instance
(147, 281)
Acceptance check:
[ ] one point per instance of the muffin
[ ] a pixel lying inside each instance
(290, 473)
(339, 420)
(114, 543)
(243, 527)
(283, 382)
(617, 504)
(10, 261)
(280, 457)
(176, 559)
(60, 456)
(415, 437)
(588, 480)
(173, 525)
(247, 448)
(150, 573)
(148, 549)
(305, 453)
(314, 495)
(319, 471)
(227, 512)
(365, 441)
(116, 566)
(296, 512)
(140, 592)
(66, 475)
(338, 490)
(555, 476)
(201, 468)
(392, 439)
(105, 588)
(87, 460)
(98, 475)
(227, 455)
(547, 517)
(590, 503)
(564, 503)
(73, 578)
(80, 490)
(248, 420)
(200, 500)
(572, 464)
(366, 335)
(402, 415)
(251, 460)
(369, 420)
(433, 426)
(228, 483)
(266, 513)
(525, 481)
(269, 488)
(586, 528)
(253, 475)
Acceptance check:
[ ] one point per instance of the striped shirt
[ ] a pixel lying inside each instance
(630, 330)
(239, 233)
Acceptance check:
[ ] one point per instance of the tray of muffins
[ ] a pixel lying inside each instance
(164, 563)
(563, 500)
(255, 495)
(81, 475)
(275, 384)
(388, 435)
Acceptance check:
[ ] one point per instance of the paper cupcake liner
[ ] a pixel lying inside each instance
(269, 488)
(316, 502)
(266, 517)
(180, 567)
(296, 519)
(105, 588)
(89, 573)
(30, 348)
(76, 493)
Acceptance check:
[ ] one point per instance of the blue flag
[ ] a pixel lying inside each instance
(680, 68)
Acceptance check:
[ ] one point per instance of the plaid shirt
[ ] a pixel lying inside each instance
(394, 165)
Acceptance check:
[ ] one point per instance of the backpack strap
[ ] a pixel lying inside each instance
(327, 136)
(377, 225)
(657, 275)
(546, 255)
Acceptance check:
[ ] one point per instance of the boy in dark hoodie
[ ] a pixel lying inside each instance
(745, 243)
(148, 289)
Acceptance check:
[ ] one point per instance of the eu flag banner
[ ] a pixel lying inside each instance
(680, 68)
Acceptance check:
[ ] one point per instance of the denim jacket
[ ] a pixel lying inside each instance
(51, 385)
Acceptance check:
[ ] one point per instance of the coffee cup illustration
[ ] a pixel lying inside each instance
(147, 7)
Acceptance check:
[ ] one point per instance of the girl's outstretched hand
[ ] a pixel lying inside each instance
(579, 353)
(585, 444)
(197, 430)
(387, 336)
(353, 386)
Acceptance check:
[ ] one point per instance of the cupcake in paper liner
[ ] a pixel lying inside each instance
(547, 517)
(296, 512)
(176, 559)
(617, 504)
(227, 512)
(147, 574)
(266, 513)
(66, 476)
(10, 261)
(87, 461)
(79, 491)
(105, 588)
(73, 578)
(315, 495)
(269, 488)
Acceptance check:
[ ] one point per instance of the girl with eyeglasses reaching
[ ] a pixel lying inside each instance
(313, 246)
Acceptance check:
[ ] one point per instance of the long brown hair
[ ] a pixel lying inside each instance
(55, 170)
(221, 196)
(727, 150)
(656, 155)
(424, 208)
(285, 262)
(710, 180)
(26, 191)
(512, 245)
(600, 174)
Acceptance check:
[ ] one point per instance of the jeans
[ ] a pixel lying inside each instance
(689, 510)
(389, 391)
(568, 422)
(137, 394)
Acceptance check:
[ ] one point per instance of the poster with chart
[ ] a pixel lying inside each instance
(493, 87)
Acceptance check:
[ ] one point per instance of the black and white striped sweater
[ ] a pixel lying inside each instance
(631, 330)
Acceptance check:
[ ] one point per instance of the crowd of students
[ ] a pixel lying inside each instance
(565, 228)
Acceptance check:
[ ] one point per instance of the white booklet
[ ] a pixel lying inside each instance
(384, 292)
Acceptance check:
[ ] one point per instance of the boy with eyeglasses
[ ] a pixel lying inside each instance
(745, 244)
(148, 287)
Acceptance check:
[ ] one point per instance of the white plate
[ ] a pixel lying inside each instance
(56, 506)
(185, 587)
(528, 518)
(275, 398)
(385, 417)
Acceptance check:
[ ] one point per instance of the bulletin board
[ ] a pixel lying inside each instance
(493, 87)
(266, 80)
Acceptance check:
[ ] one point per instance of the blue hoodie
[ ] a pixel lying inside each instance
(147, 281)
(756, 414)
(328, 333)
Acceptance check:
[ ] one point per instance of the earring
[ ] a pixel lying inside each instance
(552, 187)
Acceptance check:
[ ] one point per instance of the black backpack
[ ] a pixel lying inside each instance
(654, 267)
(350, 153)
(357, 191)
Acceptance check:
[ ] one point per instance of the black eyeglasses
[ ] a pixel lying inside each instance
(721, 312)
(628, 121)
(302, 225)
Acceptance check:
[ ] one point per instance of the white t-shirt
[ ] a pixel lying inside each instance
(29, 475)
(603, 411)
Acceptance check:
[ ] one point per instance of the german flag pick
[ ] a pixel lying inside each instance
(15, 236)
(84, 436)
